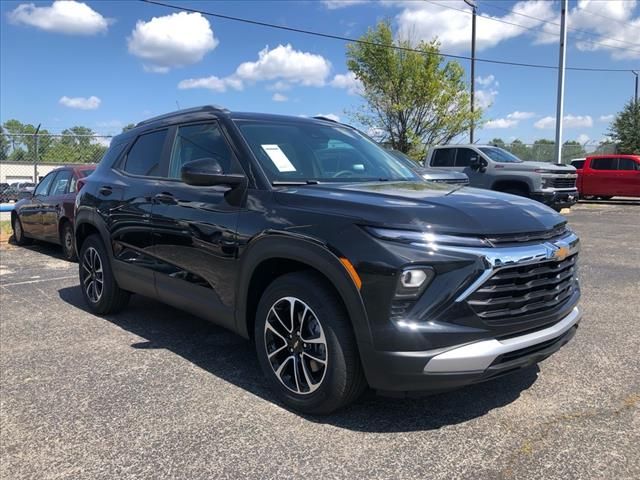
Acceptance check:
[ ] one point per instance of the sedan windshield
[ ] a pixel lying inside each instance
(312, 152)
(499, 155)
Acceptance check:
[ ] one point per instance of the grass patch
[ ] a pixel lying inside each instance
(5, 230)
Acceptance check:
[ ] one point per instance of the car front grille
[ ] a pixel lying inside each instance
(563, 182)
(547, 235)
(520, 291)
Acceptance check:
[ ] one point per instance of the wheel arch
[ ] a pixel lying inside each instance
(502, 184)
(273, 255)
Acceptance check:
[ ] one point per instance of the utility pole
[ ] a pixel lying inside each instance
(561, 68)
(36, 141)
(636, 74)
(474, 9)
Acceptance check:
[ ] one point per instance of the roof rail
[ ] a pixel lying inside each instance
(320, 117)
(204, 108)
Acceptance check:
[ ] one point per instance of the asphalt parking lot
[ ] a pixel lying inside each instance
(155, 393)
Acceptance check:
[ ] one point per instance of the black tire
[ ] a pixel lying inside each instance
(343, 380)
(67, 241)
(18, 232)
(111, 297)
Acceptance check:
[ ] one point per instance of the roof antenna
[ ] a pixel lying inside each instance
(177, 104)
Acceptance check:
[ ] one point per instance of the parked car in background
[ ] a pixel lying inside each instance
(608, 176)
(25, 189)
(340, 263)
(494, 168)
(438, 175)
(48, 212)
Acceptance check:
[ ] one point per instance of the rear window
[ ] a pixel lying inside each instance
(144, 157)
(604, 163)
(444, 157)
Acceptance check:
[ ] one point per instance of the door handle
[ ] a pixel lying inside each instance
(105, 190)
(165, 197)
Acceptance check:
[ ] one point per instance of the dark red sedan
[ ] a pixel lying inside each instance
(47, 214)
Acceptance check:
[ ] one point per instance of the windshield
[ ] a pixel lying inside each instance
(499, 155)
(313, 152)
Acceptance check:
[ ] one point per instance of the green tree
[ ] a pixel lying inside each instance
(572, 149)
(625, 128)
(520, 150)
(413, 97)
(4, 145)
(498, 142)
(543, 150)
(128, 126)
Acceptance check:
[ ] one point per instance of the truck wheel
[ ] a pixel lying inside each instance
(306, 346)
(18, 232)
(99, 287)
(66, 239)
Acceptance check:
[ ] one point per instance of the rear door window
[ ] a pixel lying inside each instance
(627, 164)
(444, 157)
(145, 155)
(604, 163)
(61, 183)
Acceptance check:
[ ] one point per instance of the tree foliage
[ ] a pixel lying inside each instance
(542, 150)
(75, 145)
(413, 98)
(625, 128)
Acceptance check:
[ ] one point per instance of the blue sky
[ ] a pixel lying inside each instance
(105, 64)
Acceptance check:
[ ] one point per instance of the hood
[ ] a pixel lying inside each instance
(425, 206)
(530, 166)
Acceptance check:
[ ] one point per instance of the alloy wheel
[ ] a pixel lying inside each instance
(93, 277)
(296, 345)
(68, 241)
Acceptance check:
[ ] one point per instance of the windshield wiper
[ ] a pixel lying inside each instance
(277, 183)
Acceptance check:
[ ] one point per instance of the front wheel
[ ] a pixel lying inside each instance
(18, 232)
(99, 287)
(306, 346)
(66, 238)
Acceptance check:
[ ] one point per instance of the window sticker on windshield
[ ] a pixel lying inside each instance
(278, 158)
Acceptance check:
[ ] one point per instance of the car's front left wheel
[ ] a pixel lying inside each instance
(306, 346)
(99, 287)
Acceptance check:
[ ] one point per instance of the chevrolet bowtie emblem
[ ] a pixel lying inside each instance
(560, 254)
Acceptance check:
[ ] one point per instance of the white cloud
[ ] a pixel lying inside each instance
(569, 121)
(104, 141)
(70, 17)
(278, 97)
(583, 138)
(606, 118)
(425, 21)
(285, 63)
(82, 103)
(488, 80)
(349, 82)
(501, 123)
(172, 41)
(335, 4)
(331, 116)
(521, 115)
(214, 83)
(279, 86)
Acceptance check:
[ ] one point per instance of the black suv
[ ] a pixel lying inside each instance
(343, 265)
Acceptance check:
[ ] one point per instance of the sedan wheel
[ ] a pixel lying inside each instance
(18, 232)
(296, 345)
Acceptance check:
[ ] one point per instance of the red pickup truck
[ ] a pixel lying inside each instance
(607, 176)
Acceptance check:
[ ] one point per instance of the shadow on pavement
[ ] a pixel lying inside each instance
(612, 201)
(233, 359)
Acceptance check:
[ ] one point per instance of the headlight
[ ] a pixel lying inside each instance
(426, 238)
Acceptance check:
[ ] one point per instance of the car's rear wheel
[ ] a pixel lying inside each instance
(306, 346)
(18, 232)
(99, 286)
(66, 239)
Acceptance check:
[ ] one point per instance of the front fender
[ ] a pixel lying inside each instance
(309, 252)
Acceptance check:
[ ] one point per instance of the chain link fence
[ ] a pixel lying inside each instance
(26, 158)
(543, 151)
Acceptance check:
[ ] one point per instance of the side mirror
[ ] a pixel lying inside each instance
(206, 172)
(478, 163)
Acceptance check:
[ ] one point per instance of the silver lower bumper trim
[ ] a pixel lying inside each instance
(476, 357)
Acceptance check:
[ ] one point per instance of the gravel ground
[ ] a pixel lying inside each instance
(155, 393)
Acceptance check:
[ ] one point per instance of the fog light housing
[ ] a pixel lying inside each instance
(413, 281)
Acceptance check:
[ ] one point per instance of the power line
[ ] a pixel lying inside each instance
(585, 32)
(621, 22)
(534, 29)
(365, 42)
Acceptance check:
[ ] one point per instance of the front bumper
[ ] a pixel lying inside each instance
(557, 198)
(460, 365)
